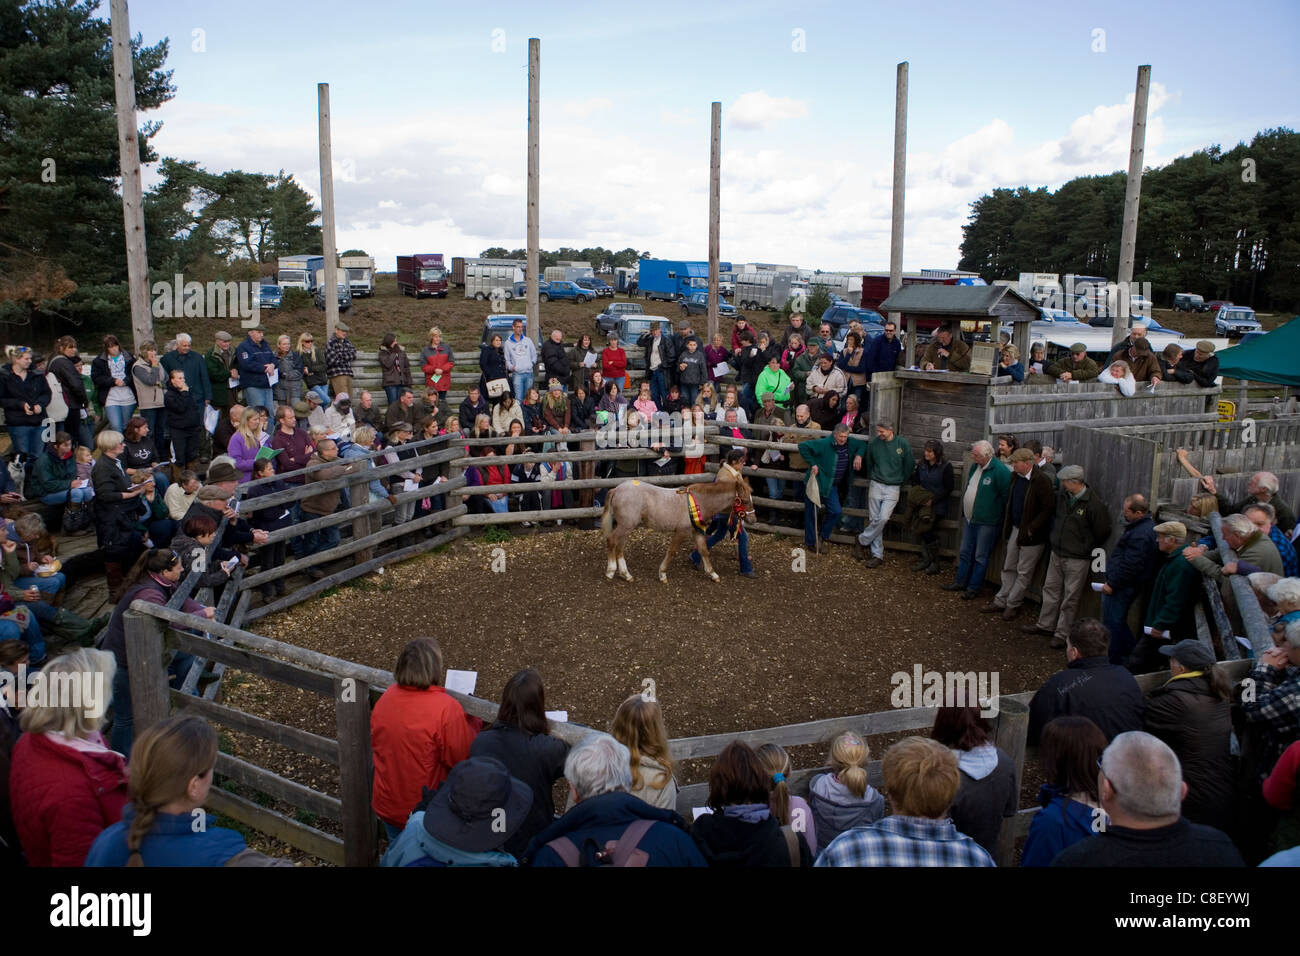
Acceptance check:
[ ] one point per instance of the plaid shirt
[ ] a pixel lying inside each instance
(339, 356)
(905, 841)
(1285, 550)
(1277, 707)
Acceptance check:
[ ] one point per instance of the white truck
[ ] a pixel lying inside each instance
(360, 275)
(298, 272)
(847, 287)
(569, 271)
(765, 290)
(482, 276)
(1041, 287)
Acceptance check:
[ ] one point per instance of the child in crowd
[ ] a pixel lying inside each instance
(842, 799)
(789, 810)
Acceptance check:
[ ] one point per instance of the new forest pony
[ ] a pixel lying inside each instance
(683, 511)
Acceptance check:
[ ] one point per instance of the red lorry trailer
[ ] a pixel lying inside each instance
(422, 274)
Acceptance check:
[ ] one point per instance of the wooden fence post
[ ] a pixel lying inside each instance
(352, 715)
(150, 701)
(1009, 735)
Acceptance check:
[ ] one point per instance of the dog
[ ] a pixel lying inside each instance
(17, 473)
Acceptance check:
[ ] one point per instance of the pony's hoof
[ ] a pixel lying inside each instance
(627, 577)
(609, 575)
(714, 576)
(663, 577)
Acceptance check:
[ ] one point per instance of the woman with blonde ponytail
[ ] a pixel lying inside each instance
(788, 809)
(842, 799)
(171, 774)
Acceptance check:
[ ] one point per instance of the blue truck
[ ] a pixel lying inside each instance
(671, 279)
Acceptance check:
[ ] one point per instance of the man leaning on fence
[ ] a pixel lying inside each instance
(1082, 525)
(984, 503)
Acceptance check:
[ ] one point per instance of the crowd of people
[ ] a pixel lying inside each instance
(1196, 760)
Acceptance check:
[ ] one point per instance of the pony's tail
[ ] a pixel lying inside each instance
(607, 516)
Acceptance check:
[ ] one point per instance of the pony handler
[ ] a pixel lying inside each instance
(684, 511)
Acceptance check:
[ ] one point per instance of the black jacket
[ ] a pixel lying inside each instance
(102, 378)
(15, 392)
(981, 805)
(537, 760)
(555, 359)
(1091, 687)
(182, 414)
(750, 364)
(1134, 559)
(1180, 844)
(74, 389)
(468, 412)
(731, 842)
(115, 517)
(493, 363)
(1036, 516)
(1190, 371)
(1196, 724)
(1080, 527)
(667, 353)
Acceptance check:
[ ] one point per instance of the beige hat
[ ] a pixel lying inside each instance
(1023, 454)
(1070, 473)
(213, 493)
(342, 326)
(224, 336)
(1206, 346)
(1175, 529)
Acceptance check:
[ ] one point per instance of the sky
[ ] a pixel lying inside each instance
(428, 107)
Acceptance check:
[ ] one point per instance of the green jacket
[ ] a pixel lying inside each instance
(51, 475)
(1085, 371)
(890, 462)
(1256, 549)
(991, 498)
(821, 452)
(219, 375)
(778, 383)
(1173, 597)
(1080, 527)
(799, 375)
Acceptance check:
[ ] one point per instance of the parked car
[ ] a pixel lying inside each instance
(521, 288)
(869, 329)
(841, 314)
(608, 320)
(1216, 305)
(269, 296)
(1233, 320)
(697, 303)
(1057, 318)
(632, 327)
(602, 288)
(1189, 302)
(1251, 336)
(344, 293)
(565, 289)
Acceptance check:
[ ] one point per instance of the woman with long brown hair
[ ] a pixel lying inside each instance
(1068, 752)
(165, 824)
(521, 739)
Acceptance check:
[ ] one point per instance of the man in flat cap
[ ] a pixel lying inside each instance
(1199, 365)
(1082, 525)
(1026, 528)
(1076, 367)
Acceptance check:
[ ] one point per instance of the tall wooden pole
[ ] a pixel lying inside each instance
(896, 226)
(327, 213)
(533, 319)
(715, 216)
(1132, 194)
(128, 145)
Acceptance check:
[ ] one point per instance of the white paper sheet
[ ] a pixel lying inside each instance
(211, 418)
(1153, 632)
(273, 377)
(560, 716)
(463, 682)
(590, 360)
(1097, 586)
(233, 383)
(409, 485)
(721, 369)
(697, 812)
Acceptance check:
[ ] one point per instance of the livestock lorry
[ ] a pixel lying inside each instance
(484, 276)
(766, 290)
(569, 271)
(360, 275)
(422, 274)
(298, 272)
(671, 279)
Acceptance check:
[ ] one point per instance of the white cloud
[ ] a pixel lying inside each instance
(417, 188)
(757, 110)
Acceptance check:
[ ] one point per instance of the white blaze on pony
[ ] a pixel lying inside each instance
(634, 503)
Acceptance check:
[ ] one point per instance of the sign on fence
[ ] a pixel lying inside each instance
(1227, 411)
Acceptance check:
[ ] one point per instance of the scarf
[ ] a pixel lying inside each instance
(748, 812)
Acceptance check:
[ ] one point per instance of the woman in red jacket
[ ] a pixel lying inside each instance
(65, 785)
(613, 363)
(418, 732)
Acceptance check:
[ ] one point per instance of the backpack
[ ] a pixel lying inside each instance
(77, 518)
(620, 852)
